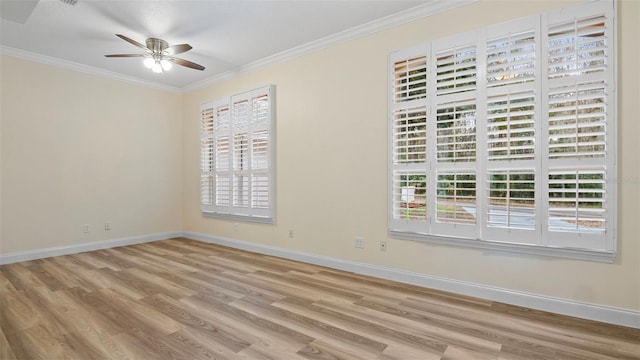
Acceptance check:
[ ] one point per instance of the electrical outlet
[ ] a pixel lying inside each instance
(235, 227)
(290, 234)
(85, 228)
(383, 245)
(107, 226)
(359, 243)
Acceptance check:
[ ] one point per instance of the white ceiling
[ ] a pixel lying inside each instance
(226, 35)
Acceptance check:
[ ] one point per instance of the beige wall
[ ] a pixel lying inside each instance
(79, 149)
(332, 165)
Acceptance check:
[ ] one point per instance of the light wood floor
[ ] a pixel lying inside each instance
(183, 299)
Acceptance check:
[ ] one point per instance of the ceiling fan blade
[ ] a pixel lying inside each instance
(186, 63)
(133, 42)
(126, 55)
(178, 49)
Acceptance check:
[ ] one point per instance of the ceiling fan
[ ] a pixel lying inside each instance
(159, 55)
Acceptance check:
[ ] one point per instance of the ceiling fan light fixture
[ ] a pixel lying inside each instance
(148, 62)
(166, 65)
(157, 68)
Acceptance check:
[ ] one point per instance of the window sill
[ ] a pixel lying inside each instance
(245, 218)
(569, 253)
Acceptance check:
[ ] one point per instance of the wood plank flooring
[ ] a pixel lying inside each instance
(184, 299)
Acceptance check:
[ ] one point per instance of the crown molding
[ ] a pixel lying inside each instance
(431, 8)
(70, 65)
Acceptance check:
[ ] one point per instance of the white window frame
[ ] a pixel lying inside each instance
(237, 143)
(535, 235)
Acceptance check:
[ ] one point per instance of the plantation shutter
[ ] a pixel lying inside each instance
(455, 68)
(408, 195)
(511, 59)
(511, 205)
(512, 152)
(511, 126)
(237, 155)
(206, 157)
(261, 148)
(505, 135)
(453, 151)
(580, 127)
(214, 156)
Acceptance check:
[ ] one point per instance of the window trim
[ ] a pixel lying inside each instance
(231, 211)
(416, 232)
(565, 252)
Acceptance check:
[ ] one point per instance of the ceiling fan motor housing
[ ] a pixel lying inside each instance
(157, 46)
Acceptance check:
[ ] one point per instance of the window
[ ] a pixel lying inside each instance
(504, 137)
(237, 167)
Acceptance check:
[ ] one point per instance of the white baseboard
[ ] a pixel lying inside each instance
(78, 248)
(583, 310)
